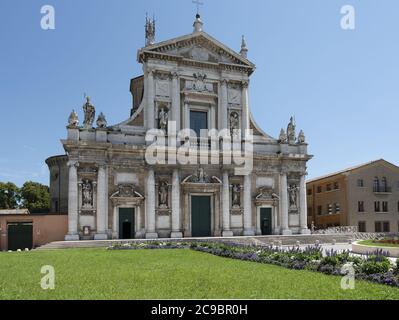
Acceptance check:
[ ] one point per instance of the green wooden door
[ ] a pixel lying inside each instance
(20, 236)
(126, 223)
(200, 216)
(266, 220)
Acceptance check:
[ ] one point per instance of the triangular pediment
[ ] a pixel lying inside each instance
(200, 47)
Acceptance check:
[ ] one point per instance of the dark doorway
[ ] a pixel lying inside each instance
(20, 236)
(126, 223)
(200, 216)
(266, 220)
(198, 121)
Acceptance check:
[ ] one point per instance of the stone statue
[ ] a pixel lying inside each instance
(291, 131)
(234, 122)
(87, 194)
(293, 196)
(163, 119)
(73, 120)
(201, 177)
(101, 121)
(301, 137)
(163, 195)
(236, 196)
(89, 112)
(283, 137)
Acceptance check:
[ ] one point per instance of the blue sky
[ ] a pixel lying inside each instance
(342, 86)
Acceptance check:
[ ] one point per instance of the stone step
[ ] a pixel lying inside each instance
(256, 240)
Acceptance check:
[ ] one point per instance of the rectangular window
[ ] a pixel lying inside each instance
(360, 206)
(377, 207)
(336, 186)
(310, 211)
(360, 183)
(309, 192)
(337, 208)
(319, 210)
(385, 206)
(386, 227)
(378, 226)
(328, 188)
(198, 121)
(362, 226)
(330, 209)
(319, 189)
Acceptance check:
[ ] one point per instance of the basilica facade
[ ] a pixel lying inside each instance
(190, 161)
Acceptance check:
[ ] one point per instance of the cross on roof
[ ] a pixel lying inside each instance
(198, 3)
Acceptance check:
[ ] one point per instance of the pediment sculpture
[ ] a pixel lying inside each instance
(201, 177)
(126, 191)
(267, 195)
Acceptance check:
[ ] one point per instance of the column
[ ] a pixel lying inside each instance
(226, 206)
(303, 206)
(222, 106)
(248, 228)
(176, 100)
(102, 204)
(284, 205)
(176, 228)
(115, 223)
(150, 206)
(150, 107)
(245, 108)
(72, 202)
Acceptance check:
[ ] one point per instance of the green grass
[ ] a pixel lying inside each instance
(164, 274)
(371, 243)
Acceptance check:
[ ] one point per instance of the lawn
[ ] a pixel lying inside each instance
(164, 274)
(371, 243)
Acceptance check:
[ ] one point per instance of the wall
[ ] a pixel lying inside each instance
(46, 228)
(366, 194)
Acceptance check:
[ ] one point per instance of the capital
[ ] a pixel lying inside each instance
(73, 163)
(244, 84)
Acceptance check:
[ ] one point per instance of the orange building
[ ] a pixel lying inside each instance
(365, 196)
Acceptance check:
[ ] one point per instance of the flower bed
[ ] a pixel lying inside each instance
(374, 267)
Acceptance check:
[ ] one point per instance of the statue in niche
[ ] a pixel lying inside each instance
(293, 196)
(291, 131)
(163, 194)
(163, 117)
(234, 122)
(73, 120)
(201, 176)
(101, 121)
(89, 112)
(87, 194)
(236, 196)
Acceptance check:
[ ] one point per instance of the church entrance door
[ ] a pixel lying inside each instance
(200, 216)
(126, 223)
(266, 221)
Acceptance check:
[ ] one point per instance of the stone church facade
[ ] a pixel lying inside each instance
(193, 82)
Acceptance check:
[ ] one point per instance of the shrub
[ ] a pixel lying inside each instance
(374, 267)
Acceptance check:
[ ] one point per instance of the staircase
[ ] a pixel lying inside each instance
(257, 240)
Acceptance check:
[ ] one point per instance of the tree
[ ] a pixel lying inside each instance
(9, 195)
(35, 196)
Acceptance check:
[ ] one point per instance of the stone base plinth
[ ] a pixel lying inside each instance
(151, 235)
(176, 234)
(72, 237)
(287, 232)
(227, 233)
(100, 236)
